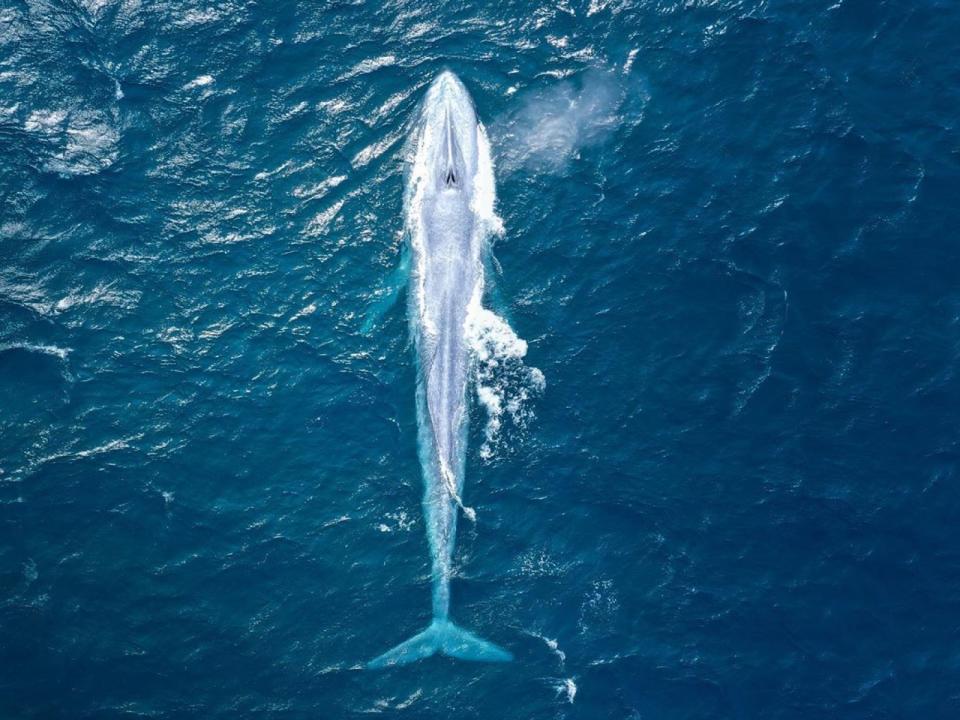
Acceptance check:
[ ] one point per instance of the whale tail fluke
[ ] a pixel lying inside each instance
(445, 638)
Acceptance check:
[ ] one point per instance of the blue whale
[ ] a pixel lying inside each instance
(449, 214)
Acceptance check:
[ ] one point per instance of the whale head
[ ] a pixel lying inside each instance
(449, 134)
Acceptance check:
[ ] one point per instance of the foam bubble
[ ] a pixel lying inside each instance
(375, 150)
(315, 191)
(103, 293)
(197, 18)
(504, 384)
(365, 67)
(540, 564)
(319, 224)
(554, 646)
(411, 699)
(304, 312)
(400, 522)
(52, 350)
(199, 82)
(485, 187)
(569, 688)
(599, 605)
(597, 6)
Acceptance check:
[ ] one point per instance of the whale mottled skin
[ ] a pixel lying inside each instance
(448, 204)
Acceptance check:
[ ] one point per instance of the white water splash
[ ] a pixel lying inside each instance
(504, 384)
(199, 82)
(52, 350)
(554, 646)
(569, 688)
(485, 187)
(401, 521)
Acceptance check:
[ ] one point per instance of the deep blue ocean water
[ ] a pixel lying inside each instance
(731, 242)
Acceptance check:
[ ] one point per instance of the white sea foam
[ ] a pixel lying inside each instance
(197, 18)
(569, 688)
(553, 645)
(53, 350)
(367, 66)
(485, 187)
(597, 6)
(318, 190)
(334, 107)
(599, 605)
(111, 446)
(319, 224)
(375, 150)
(400, 522)
(336, 521)
(45, 121)
(95, 7)
(199, 82)
(387, 109)
(534, 563)
(504, 384)
(411, 699)
(304, 312)
(216, 330)
(107, 447)
(103, 293)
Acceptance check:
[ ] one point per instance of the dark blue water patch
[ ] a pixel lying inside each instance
(732, 255)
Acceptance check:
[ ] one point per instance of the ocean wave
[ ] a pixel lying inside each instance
(76, 142)
(53, 350)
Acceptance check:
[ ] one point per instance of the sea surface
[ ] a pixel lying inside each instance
(731, 248)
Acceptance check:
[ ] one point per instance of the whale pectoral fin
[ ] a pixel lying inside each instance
(444, 637)
(389, 293)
